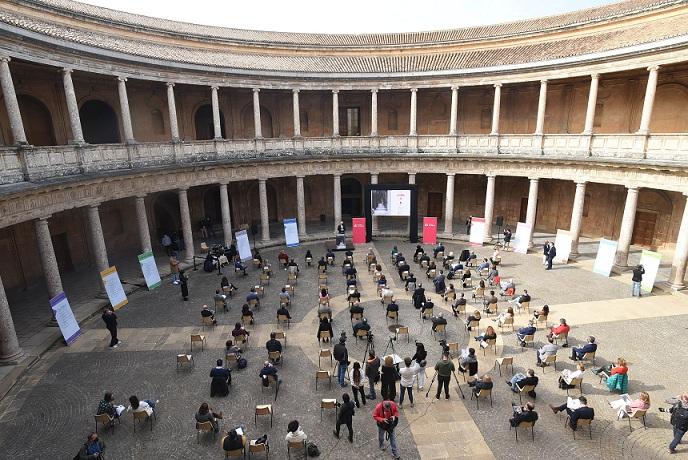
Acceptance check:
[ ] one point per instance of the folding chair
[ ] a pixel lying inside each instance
(403, 330)
(483, 393)
(325, 353)
(505, 361)
(263, 409)
(198, 338)
(328, 404)
(322, 375)
(183, 359)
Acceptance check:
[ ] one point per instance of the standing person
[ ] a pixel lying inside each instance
(341, 355)
(358, 381)
(340, 228)
(92, 449)
(679, 421)
(444, 368)
(184, 286)
(468, 225)
(551, 254)
(174, 268)
(638, 273)
(545, 251)
(345, 417)
(408, 376)
(110, 320)
(389, 378)
(372, 371)
(421, 359)
(166, 242)
(507, 237)
(386, 415)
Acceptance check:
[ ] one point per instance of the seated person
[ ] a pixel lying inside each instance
(567, 376)
(509, 313)
(448, 291)
(253, 295)
(609, 370)
(428, 304)
(448, 259)
(325, 325)
(520, 380)
(295, 433)
(437, 249)
(438, 320)
(469, 362)
(273, 344)
(525, 297)
(355, 308)
(382, 281)
(578, 352)
(490, 299)
(222, 378)
(424, 258)
(309, 257)
(627, 409)
(268, 370)
(543, 312)
(232, 441)
(548, 349)
(93, 448)
(283, 258)
(220, 299)
(346, 264)
(392, 306)
(324, 308)
(351, 272)
(106, 406)
(208, 313)
(489, 334)
(431, 268)
(324, 296)
(485, 264)
(509, 288)
(240, 267)
(361, 325)
(582, 411)
(231, 349)
(483, 383)
(399, 258)
(418, 252)
(146, 405)
(492, 276)
(439, 283)
(284, 297)
(206, 414)
(354, 297)
(292, 266)
(458, 302)
(239, 330)
(404, 267)
(524, 331)
(410, 279)
(525, 413)
(258, 257)
(329, 256)
(561, 329)
(473, 317)
(282, 310)
(322, 265)
(225, 283)
(246, 311)
(351, 282)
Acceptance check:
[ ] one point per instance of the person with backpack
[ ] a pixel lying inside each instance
(93, 448)
(679, 421)
(637, 279)
(372, 372)
(345, 417)
(341, 355)
(386, 415)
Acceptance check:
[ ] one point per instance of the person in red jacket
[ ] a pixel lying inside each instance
(386, 415)
(562, 329)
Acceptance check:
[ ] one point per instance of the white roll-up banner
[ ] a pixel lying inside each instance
(243, 245)
(522, 237)
(291, 232)
(605, 257)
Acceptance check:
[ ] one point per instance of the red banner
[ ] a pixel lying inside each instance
(429, 230)
(358, 232)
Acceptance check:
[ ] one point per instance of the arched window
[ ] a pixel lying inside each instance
(38, 123)
(99, 123)
(205, 127)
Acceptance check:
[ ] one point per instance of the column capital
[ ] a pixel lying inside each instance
(45, 218)
(4, 58)
(120, 78)
(543, 81)
(300, 176)
(534, 179)
(497, 85)
(255, 90)
(295, 90)
(140, 196)
(653, 68)
(262, 179)
(454, 87)
(414, 90)
(595, 76)
(170, 84)
(490, 175)
(374, 90)
(182, 189)
(632, 189)
(581, 183)
(337, 174)
(451, 174)
(94, 205)
(67, 70)
(214, 87)
(335, 91)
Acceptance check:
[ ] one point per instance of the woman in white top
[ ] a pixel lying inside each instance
(295, 433)
(408, 377)
(147, 405)
(509, 313)
(567, 376)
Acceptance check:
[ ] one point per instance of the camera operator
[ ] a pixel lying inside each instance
(386, 416)
(341, 355)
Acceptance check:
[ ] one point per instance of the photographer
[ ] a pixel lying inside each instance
(638, 273)
(341, 355)
(420, 358)
(679, 421)
(345, 417)
(386, 415)
(372, 372)
(444, 368)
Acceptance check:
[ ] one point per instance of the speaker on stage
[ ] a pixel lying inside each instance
(499, 221)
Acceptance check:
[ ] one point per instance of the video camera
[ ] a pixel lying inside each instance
(445, 347)
(371, 337)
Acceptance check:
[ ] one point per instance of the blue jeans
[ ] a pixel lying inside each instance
(175, 277)
(516, 378)
(341, 372)
(371, 385)
(392, 440)
(636, 289)
(403, 390)
(678, 435)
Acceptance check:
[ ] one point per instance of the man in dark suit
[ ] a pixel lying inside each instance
(522, 380)
(222, 378)
(419, 296)
(523, 414)
(578, 352)
(551, 254)
(583, 412)
(438, 248)
(524, 331)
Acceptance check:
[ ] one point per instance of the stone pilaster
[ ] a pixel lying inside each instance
(592, 104)
(172, 110)
(11, 103)
(449, 206)
(489, 207)
(454, 110)
(72, 107)
(300, 206)
(496, 108)
(124, 109)
(100, 256)
(678, 265)
(531, 211)
(51, 271)
(187, 232)
(626, 232)
(649, 102)
(226, 215)
(142, 221)
(264, 218)
(297, 113)
(577, 217)
(10, 351)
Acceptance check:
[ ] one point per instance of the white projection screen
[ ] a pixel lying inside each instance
(390, 202)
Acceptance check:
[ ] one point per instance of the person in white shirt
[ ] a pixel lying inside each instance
(295, 433)
(387, 292)
(549, 349)
(408, 377)
(567, 376)
(147, 405)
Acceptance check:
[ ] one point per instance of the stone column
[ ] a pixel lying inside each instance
(449, 205)
(264, 218)
(650, 92)
(72, 107)
(11, 103)
(414, 111)
(172, 109)
(374, 224)
(373, 112)
(10, 351)
(98, 247)
(496, 108)
(124, 108)
(337, 200)
(489, 207)
(531, 212)
(226, 215)
(142, 220)
(217, 121)
(297, 113)
(187, 232)
(592, 104)
(454, 110)
(51, 271)
(300, 207)
(335, 113)
(577, 217)
(678, 266)
(411, 181)
(626, 232)
(542, 104)
(257, 125)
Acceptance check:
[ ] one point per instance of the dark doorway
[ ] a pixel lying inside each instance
(38, 124)
(248, 125)
(352, 197)
(205, 127)
(62, 253)
(99, 123)
(167, 216)
(523, 212)
(211, 205)
(644, 228)
(350, 121)
(435, 204)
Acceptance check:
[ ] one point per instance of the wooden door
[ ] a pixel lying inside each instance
(435, 204)
(644, 228)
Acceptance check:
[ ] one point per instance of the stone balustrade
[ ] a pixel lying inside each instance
(36, 164)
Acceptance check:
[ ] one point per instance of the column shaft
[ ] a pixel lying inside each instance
(187, 233)
(649, 102)
(72, 107)
(626, 232)
(142, 220)
(300, 206)
(51, 271)
(98, 247)
(454, 110)
(449, 205)
(257, 124)
(542, 104)
(10, 351)
(172, 110)
(531, 211)
(335, 113)
(264, 218)
(124, 108)
(226, 215)
(297, 113)
(496, 108)
(489, 207)
(678, 265)
(11, 102)
(374, 224)
(337, 200)
(577, 217)
(592, 104)
(373, 112)
(414, 111)
(217, 121)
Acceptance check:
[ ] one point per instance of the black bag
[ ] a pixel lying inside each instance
(679, 417)
(312, 450)
(242, 363)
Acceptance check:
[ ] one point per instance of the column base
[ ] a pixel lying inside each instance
(619, 269)
(675, 286)
(574, 255)
(13, 359)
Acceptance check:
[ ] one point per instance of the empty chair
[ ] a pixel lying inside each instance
(491, 343)
(403, 330)
(328, 404)
(440, 329)
(263, 409)
(184, 359)
(325, 353)
(504, 361)
(507, 322)
(322, 375)
(524, 306)
(283, 319)
(453, 348)
(198, 338)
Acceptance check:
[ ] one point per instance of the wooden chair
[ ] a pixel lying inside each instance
(439, 255)
(198, 338)
(563, 337)
(260, 290)
(262, 409)
(296, 445)
(468, 282)
(505, 361)
(281, 335)
(231, 360)
(432, 273)
(491, 343)
(424, 264)
(183, 359)
(272, 381)
(325, 353)
(322, 375)
(220, 305)
(291, 289)
(264, 279)
(276, 357)
(234, 453)
(325, 335)
(403, 330)
(526, 425)
(506, 323)
(542, 319)
(427, 313)
(637, 414)
(479, 293)
(328, 404)
(325, 314)
(393, 315)
(204, 427)
(528, 339)
(590, 356)
(204, 247)
(292, 278)
(361, 334)
(453, 347)
(143, 417)
(524, 306)
(450, 297)
(475, 326)
(256, 262)
(356, 317)
(207, 321)
(551, 359)
(283, 318)
(577, 382)
(241, 339)
(440, 328)
(322, 278)
(483, 393)
(387, 299)
(491, 308)
(460, 309)
(246, 319)
(106, 420)
(254, 303)
(580, 423)
(254, 448)
(228, 291)
(525, 389)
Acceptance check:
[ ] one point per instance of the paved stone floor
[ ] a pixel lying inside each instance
(58, 396)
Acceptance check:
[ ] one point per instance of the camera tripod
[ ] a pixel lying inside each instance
(455, 378)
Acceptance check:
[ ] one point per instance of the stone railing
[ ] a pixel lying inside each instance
(35, 164)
